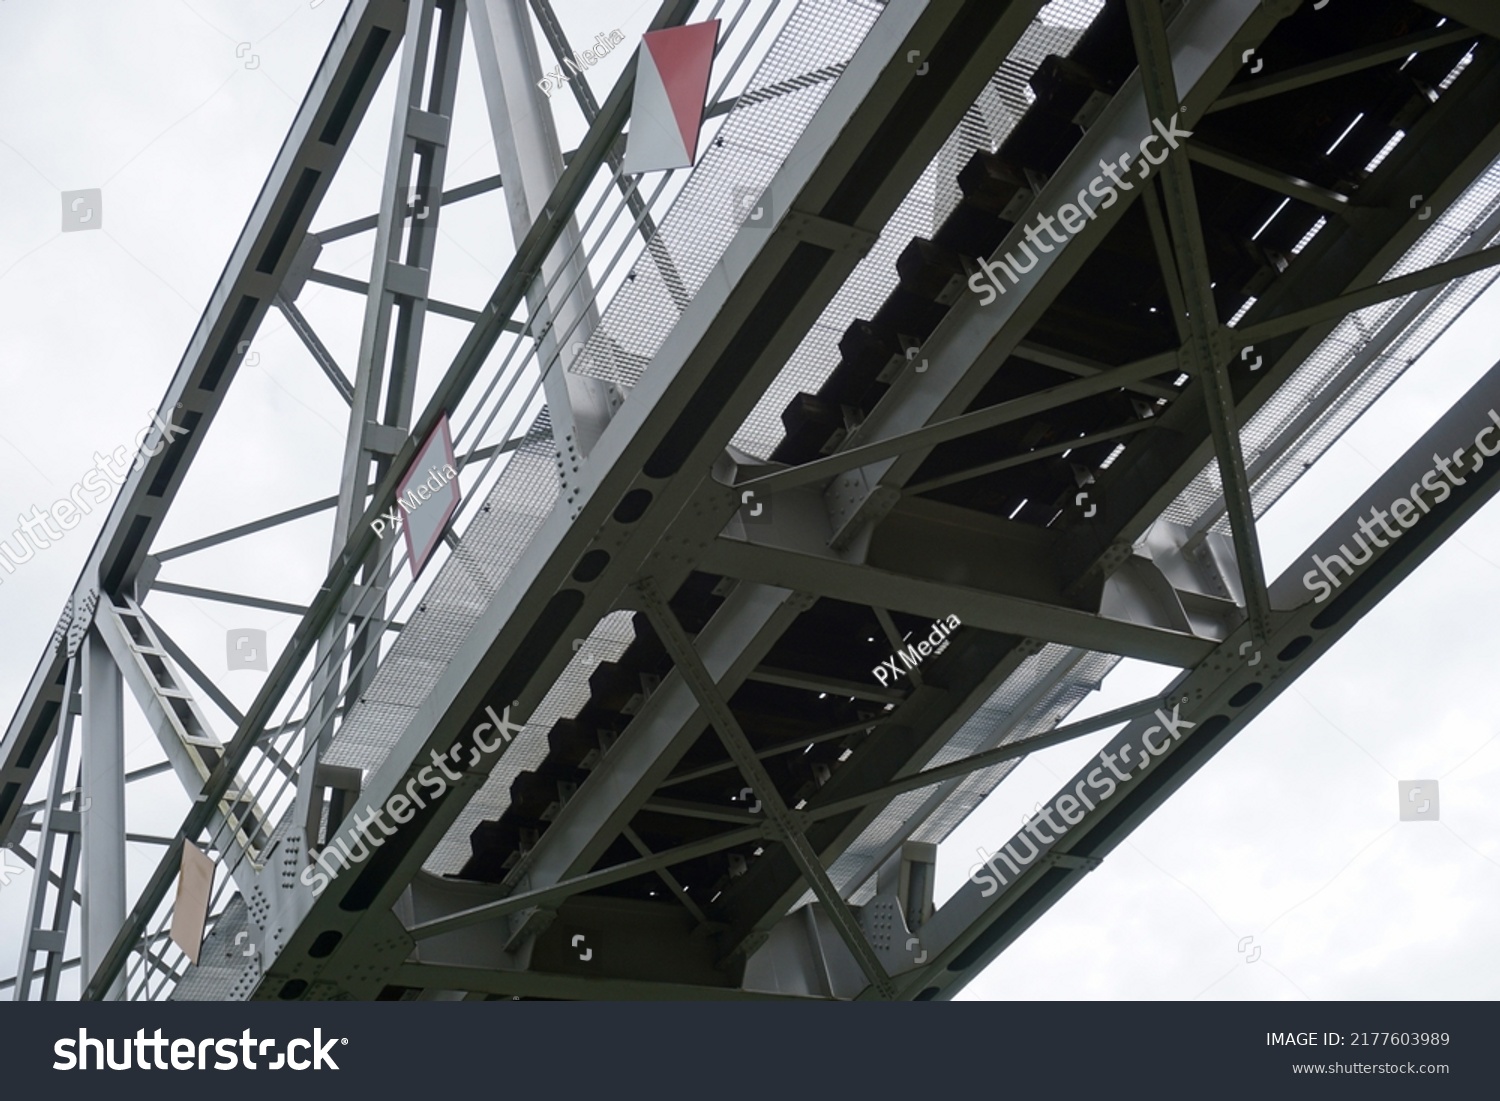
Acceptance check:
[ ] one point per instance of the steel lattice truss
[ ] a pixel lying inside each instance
(728, 439)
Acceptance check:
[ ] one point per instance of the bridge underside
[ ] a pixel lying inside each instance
(832, 522)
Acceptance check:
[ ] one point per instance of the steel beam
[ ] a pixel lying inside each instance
(531, 984)
(1282, 183)
(364, 225)
(385, 379)
(1364, 297)
(970, 473)
(315, 348)
(103, 746)
(985, 609)
(965, 766)
(286, 516)
(222, 597)
(564, 889)
(44, 934)
(930, 435)
(1478, 14)
(1085, 368)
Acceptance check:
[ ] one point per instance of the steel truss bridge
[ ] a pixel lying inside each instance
(716, 465)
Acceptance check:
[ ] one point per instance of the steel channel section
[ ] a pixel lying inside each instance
(391, 304)
(858, 157)
(1225, 693)
(341, 90)
(151, 698)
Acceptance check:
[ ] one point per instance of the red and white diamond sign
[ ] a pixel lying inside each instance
(671, 84)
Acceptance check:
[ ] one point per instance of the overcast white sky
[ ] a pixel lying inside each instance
(1289, 835)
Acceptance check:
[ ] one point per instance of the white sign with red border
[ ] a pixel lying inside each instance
(429, 495)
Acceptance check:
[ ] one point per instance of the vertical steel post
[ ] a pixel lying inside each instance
(530, 164)
(103, 819)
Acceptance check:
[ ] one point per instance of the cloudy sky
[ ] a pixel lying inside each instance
(175, 109)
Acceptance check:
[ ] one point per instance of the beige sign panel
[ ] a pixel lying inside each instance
(195, 884)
